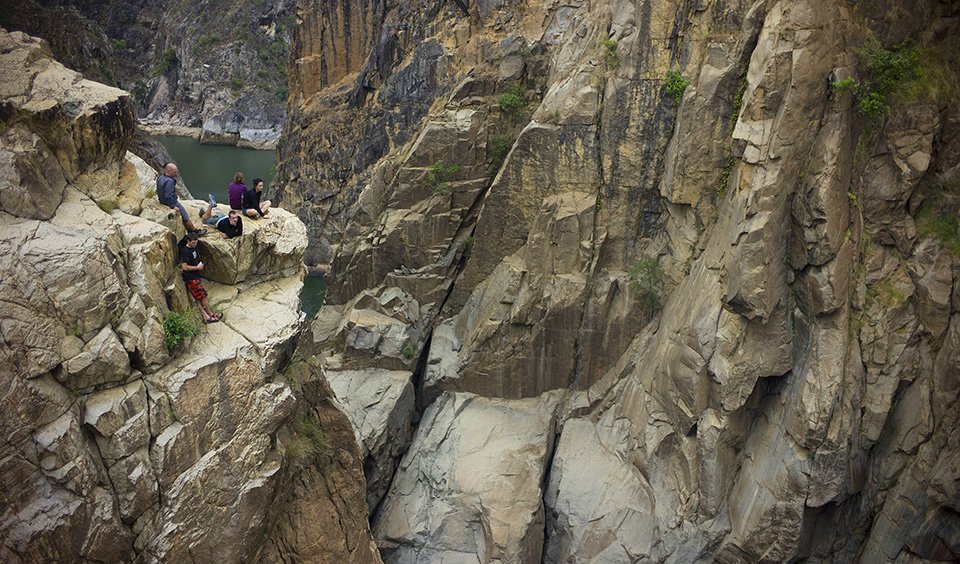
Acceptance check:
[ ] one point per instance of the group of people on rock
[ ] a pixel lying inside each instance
(242, 200)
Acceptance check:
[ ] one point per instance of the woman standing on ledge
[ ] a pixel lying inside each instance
(236, 191)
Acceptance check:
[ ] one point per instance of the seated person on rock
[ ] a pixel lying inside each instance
(229, 225)
(235, 191)
(191, 265)
(252, 206)
(167, 194)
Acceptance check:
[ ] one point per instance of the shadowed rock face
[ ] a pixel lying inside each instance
(116, 447)
(734, 289)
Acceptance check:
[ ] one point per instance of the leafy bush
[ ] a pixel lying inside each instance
(207, 40)
(676, 85)
(438, 178)
(646, 278)
(611, 53)
(119, 44)
(889, 73)
(512, 101)
(176, 328)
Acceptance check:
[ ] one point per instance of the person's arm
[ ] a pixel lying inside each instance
(188, 268)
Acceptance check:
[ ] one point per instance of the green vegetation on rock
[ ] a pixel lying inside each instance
(438, 178)
(676, 85)
(610, 55)
(646, 278)
(513, 101)
(176, 328)
(165, 62)
(938, 219)
(888, 73)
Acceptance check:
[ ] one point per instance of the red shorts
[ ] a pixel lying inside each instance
(196, 290)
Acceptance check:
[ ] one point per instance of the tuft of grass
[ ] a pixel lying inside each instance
(646, 278)
(438, 178)
(938, 219)
(886, 293)
(107, 205)
(176, 328)
(309, 445)
(676, 85)
(119, 44)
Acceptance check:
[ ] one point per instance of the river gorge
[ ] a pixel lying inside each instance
(654, 281)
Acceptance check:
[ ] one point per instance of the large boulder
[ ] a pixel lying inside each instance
(470, 485)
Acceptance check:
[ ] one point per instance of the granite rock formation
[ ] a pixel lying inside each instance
(117, 446)
(736, 284)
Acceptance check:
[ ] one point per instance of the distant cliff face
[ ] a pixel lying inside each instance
(660, 280)
(221, 72)
(119, 445)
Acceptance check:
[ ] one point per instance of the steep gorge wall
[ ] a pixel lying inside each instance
(787, 390)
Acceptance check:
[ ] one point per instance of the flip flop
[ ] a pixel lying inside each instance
(217, 316)
(211, 320)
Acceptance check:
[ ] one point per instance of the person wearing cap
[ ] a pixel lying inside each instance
(191, 265)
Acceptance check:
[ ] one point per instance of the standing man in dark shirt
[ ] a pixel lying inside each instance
(191, 265)
(252, 206)
(167, 194)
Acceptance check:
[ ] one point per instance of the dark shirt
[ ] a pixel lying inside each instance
(190, 256)
(167, 190)
(235, 194)
(223, 226)
(251, 199)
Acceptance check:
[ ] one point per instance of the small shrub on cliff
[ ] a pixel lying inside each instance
(176, 328)
(610, 55)
(438, 178)
(646, 278)
(107, 205)
(513, 101)
(889, 73)
(497, 150)
(676, 85)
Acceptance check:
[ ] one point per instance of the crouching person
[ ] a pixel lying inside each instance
(191, 265)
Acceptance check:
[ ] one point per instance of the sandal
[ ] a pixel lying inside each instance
(211, 320)
(217, 316)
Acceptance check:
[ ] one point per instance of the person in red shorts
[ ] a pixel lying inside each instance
(191, 265)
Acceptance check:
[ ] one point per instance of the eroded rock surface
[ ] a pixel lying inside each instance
(747, 288)
(118, 445)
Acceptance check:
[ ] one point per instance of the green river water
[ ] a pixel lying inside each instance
(209, 169)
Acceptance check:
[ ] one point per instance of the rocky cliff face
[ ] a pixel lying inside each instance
(116, 446)
(192, 69)
(638, 281)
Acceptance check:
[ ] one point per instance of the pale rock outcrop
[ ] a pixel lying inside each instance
(469, 488)
(120, 447)
(380, 406)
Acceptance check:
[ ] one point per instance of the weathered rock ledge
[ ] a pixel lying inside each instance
(119, 448)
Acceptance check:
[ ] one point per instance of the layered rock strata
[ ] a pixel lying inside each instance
(663, 214)
(118, 445)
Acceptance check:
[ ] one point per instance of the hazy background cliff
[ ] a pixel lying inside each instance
(219, 68)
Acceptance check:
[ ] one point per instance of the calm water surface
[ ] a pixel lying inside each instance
(209, 169)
